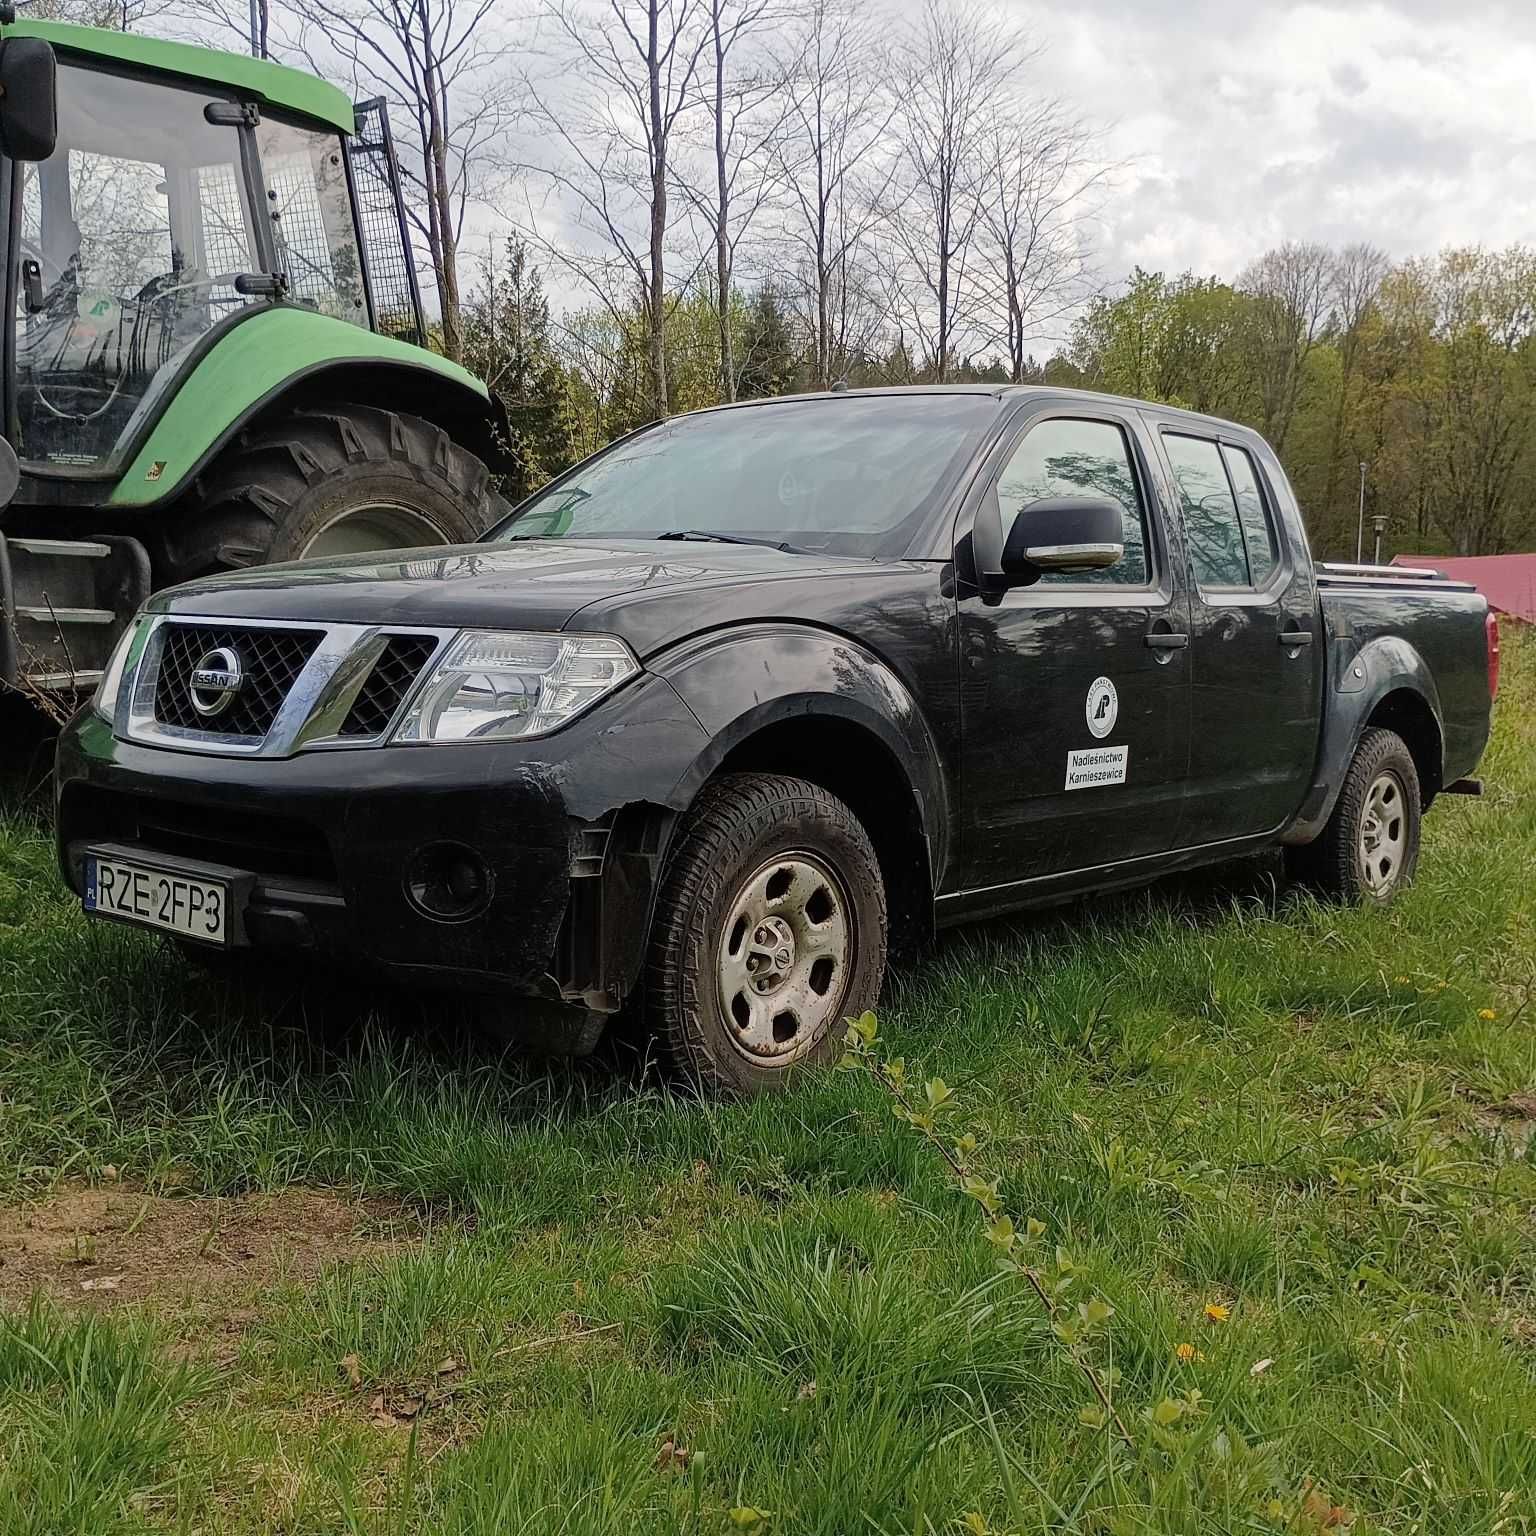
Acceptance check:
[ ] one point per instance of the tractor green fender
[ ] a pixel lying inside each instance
(286, 351)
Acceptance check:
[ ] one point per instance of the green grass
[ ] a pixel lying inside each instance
(1213, 1092)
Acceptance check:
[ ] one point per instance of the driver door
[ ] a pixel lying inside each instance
(1074, 690)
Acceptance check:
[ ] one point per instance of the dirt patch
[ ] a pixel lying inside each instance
(1514, 1119)
(102, 1247)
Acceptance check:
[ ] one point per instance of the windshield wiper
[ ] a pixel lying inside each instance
(699, 535)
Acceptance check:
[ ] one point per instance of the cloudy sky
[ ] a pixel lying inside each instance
(1410, 123)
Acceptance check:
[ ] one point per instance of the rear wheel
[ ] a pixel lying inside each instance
(1369, 849)
(334, 480)
(770, 930)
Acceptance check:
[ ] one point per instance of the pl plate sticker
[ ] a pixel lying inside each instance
(1103, 707)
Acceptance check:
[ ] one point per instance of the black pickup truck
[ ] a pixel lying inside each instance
(711, 718)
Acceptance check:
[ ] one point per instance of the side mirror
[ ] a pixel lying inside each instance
(1064, 533)
(10, 473)
(29, 100)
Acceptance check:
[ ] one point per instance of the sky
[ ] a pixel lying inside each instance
(1234, 125)
(1237, 125)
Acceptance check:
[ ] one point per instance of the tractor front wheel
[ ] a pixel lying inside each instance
(331, 480)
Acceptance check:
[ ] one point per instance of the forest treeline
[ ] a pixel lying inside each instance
(628, 208)
(1422, 371)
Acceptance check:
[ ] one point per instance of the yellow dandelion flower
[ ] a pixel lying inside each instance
(1486, 1013)
(1215, 1312)
(1187, 1354)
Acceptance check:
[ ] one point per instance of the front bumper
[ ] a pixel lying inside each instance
(571, 828)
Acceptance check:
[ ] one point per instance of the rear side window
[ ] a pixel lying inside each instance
(1062, 457)
(1258, 534)
(1217, 554)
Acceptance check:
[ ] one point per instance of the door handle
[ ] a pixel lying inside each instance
(1162, 640)
(1294, 637)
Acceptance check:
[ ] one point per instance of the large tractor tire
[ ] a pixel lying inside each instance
(331, 480)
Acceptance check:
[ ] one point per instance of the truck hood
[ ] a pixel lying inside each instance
(646, 592)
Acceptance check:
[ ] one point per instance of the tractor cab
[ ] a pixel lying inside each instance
(170, 204)
(213, 347)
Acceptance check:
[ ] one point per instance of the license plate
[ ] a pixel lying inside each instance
(157, 898)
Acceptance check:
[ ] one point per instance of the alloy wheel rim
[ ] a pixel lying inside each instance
(785, 958)
(374, 526)
(1383, 842)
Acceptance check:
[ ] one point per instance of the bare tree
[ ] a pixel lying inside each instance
(744, 123)
(832, 166)
(1039, 180)
(962, 65)
(1291, 287)
(114, 15)
(442, 62)
(626, 77)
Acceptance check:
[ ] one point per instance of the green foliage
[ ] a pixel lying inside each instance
(91, 1416)
(1425, 372)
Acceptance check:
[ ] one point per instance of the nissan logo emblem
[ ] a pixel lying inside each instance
(215, 681)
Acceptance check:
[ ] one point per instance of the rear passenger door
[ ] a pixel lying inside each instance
(1256, 662)
(1074, 690)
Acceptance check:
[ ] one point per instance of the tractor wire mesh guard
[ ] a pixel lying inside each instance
(270, 663)
(322, 273)
(388, 257)
(387, 685)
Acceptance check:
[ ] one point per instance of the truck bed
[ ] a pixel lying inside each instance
(1421, 610)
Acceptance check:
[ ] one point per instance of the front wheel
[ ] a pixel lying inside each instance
(1369, 849)
(770, 930)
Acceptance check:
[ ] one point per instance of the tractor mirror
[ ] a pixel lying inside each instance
(10, 473)
(29, 105)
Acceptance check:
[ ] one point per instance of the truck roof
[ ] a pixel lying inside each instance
(1001, 392)
(273, 84)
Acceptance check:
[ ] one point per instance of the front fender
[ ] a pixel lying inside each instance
(1360, 681)
(252, 364)
(739, 681)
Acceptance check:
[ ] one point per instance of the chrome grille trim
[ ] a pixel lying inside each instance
(309, 718)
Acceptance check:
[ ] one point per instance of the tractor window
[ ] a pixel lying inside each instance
(133, 233)
(312, 218)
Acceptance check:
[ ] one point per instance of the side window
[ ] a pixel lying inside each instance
(1217, 554)
(1258, 534)
(1061, 457)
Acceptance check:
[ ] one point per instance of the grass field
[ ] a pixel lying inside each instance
(269, 1266)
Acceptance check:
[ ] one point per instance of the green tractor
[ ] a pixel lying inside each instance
(214, 348)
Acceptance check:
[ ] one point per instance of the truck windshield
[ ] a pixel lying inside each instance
(132, 235)
(846, 475)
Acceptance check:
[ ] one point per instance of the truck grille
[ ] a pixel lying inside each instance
(270, 663)
(387, 685)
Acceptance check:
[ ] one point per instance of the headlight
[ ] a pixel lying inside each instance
(490, 686)
(104, 701)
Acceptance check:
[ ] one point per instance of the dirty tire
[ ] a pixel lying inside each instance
(1335, 864)
(287, 481)
(740, 824)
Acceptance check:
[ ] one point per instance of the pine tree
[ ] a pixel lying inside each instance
(506, 342)
(768, 362)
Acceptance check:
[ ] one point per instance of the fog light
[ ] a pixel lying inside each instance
(448, 881)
